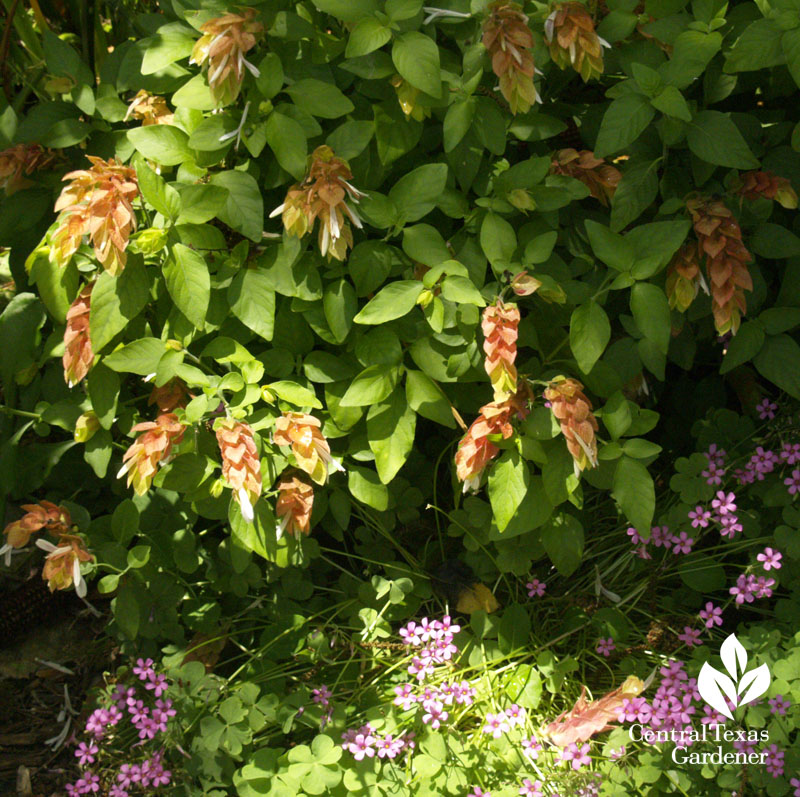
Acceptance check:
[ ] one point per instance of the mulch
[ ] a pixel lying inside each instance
(37, 627)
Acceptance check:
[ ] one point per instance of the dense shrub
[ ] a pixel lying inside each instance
(327, 316)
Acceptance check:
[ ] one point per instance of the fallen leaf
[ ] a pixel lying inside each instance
(585, 719)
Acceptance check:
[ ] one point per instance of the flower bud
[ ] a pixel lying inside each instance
(786, 196)
(59, 85)
(151, 240)
(521, 199)
(523, 284)
(86, 426)
(500, 329)
(425, 298)
(78, 354)
(311, 451)
(241, 467)
(578, 425)
(509, 42)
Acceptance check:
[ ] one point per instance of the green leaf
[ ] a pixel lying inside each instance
(634, 491)
(185, 473)
(125, 521)
(457, 122)
(415, 194)
(648, 80)
(758, 47)
(172, 42)
(126, 610)
(671, 102)
(373, 384)
(201, 202)
(416, 57)
(63, 61)
(635, 192)
(714, 138)
(460, 290)
(323, 367)
(589, 334)
(258, 536)
(104, 387)
(164, 144)
(508, 483)
(368, 35)
(365, 486)
(654, 245)
(524, 686)
(394, 301)
(650, 309)
(270, 78)
(745, 345)
(319, 98)
(614, 250)
(351, 138)
(287, 139)
(541, 424)
(779, 361)
(790, 42)
(20, 321)
(778, 319)
(427, 400)
(399, 10)
(138, 556)
(57, 286)
(390, 433)
(206, 137)
(514, 629)
(66, 133)
(489, 126)
(108, 583)
(347, 10)
(623, 122)
(140, 357)
(164, 198)
(539, 249)
(295, 394)
(425, 244)
(691, 54)
(183, 546)
(244, 209)
(116, 301)
(617, 415)
(339, 303)
(425, 766)
(774, 241)
(498, 239)
(97, 452)
(252, 300)
(640, 449)
(188, 283)
(702, 573)
(563, 539)
(194, 95)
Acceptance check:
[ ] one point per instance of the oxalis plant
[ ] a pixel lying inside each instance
(333, 327)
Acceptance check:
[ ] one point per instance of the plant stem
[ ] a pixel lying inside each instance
(20, 413)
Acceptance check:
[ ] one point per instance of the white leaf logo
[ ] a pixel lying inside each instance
(714, 686)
